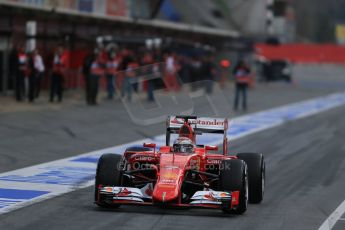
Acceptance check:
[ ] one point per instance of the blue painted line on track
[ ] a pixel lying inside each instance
(60, 175)
(20, 194)
(91, 159)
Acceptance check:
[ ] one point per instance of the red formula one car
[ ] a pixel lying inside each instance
(185, 174)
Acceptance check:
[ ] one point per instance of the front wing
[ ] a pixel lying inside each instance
(135, 196)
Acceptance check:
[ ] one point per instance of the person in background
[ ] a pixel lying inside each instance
(88, 60)
(242, 79)
(135, 63)
(22, 62)
(97, 70)
(208, 69)
(112, 66)
(184, 71)
(125, 60)
(39, 70)
(195, 72)
(158, 58)
(171, 69)
(150, 69)
(130, 78)
(31, 77)
(13, 67)
(57, 78)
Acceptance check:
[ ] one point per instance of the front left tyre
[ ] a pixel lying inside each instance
(108, 173)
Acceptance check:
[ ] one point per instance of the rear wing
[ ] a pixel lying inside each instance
(200, 125)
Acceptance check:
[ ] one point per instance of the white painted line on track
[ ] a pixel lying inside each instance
(329, 223)
(22, 187)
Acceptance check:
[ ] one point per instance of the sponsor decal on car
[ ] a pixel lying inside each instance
(213, 161)
(204, 122)
(144, 158)
(167, 181)
(198, 121)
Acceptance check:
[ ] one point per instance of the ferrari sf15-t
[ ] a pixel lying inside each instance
(182, 174)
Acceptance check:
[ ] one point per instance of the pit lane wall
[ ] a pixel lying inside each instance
(303, 53)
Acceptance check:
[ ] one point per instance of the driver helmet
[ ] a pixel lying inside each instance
(183, 145)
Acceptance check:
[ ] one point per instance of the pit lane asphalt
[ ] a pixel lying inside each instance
(304, 163)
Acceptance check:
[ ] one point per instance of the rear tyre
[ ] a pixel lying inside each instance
(108, 173)
(234, 177)
(256, 175)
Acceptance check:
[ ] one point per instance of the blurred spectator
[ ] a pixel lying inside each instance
(150, 70)
(185, 70)
(119, 68)
(31, 77)
(129, 78)
(57, 78)
(39, 70)
(195, 72)
(158, 58)
(157, 55)
(21, 73)
(97, 71)
(171, 68)
(126, 58)
(88, 60)
(14, 67)
(112, 66)
(208, 72)
(242, 79)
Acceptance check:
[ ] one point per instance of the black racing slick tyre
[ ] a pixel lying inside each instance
(108, 173)
(234, 177)
(256, 175)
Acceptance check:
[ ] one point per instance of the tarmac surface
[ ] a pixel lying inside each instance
(304, 160)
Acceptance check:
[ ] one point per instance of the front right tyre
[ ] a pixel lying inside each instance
(234, 177)
(256, 175)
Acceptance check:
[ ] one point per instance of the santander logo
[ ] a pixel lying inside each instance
(199, 122)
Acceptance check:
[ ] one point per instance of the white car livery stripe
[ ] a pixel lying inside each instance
(29, 185)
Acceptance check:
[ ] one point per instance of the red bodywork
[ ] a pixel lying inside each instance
(169, 170)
